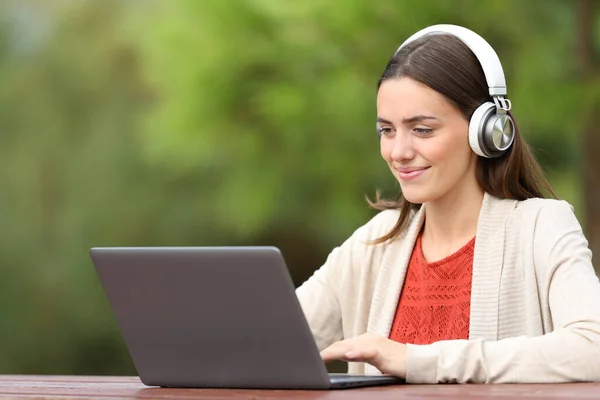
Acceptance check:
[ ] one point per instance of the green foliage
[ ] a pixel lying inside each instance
(280, 97)
(217, 122)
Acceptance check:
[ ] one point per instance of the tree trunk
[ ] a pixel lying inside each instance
(591, 131)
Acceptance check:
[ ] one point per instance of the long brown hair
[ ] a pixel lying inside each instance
(447, 65)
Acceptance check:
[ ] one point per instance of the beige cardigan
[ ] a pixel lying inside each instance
(535, 301)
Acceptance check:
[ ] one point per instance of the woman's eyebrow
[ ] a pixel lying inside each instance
(383, 121)
(416, 118)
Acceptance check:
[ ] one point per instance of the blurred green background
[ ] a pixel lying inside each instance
(231, 122)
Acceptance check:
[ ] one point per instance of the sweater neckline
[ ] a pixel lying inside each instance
(467, 247)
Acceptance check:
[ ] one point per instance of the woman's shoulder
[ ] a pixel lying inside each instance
(537, 228)
(550, 208)
(546, 215)
(537, 203)
(383, 223)
(379, 225)
(533, 207)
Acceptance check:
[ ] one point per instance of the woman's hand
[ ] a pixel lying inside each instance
(384, 354)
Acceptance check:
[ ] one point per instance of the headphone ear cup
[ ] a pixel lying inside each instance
(490, 133)
(477, 126)
(498, 133)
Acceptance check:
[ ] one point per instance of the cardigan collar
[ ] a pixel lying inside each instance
(487, 269)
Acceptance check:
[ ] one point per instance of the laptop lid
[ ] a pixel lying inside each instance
(210, 317)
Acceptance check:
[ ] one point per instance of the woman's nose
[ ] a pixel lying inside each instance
(403, 147)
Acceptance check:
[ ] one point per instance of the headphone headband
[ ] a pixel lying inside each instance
(492, 68)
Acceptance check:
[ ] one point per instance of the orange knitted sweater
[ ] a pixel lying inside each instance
(435, 303)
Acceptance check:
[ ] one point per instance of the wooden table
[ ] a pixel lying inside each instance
(24, 386)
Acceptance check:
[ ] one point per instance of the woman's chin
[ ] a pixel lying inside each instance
(416, 196)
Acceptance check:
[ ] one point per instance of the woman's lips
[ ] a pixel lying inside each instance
(410, 173)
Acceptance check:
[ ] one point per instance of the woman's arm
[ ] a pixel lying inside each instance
(335, 290)
(319, 301)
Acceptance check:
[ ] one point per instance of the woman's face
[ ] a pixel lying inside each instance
(424, 140)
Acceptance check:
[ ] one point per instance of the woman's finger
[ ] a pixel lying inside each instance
(334, 352)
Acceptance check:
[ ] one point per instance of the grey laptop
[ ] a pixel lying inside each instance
(218, 317)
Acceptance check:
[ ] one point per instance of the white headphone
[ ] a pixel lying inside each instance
(491, 129)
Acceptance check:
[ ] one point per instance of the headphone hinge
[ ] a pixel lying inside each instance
(503, 105)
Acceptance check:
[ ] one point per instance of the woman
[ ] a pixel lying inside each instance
(472, 275)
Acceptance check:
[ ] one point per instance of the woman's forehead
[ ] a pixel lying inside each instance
(397, 95)
(405, 97)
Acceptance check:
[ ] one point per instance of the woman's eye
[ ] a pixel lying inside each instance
(423, 131)
(385, 131)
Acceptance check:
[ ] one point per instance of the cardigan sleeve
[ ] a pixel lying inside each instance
(571, 352)
(319, 299)
(320, 295)
(330, 294)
